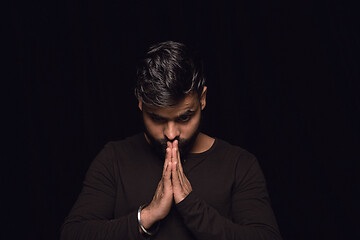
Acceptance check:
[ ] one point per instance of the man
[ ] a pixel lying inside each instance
(172, 181)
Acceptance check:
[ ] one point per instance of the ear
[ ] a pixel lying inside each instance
(203, 98)
(140, 105)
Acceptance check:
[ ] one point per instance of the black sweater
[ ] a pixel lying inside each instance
(229, 198)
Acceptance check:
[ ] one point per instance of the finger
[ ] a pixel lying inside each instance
(176, 160)
(167, 159)
(175, 144)
(180, 176)
(167, 174)
(187, 185)
(173, 155)
(176, 156)
(174, 152)
(175, 177)
(169, 144)
(180, 164)
(183, 181)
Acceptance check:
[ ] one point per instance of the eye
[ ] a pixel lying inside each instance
(184, 118)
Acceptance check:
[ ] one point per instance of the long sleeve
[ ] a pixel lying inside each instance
(92, 216)
(251, 214)
(229, 198)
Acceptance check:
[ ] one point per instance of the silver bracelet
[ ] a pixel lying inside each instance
(140, 224)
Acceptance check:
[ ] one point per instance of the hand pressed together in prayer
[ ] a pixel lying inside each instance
(180, 183)
(173, 186)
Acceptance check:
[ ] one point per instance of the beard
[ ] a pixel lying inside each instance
(159, 145)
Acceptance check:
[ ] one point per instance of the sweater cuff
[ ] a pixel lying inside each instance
(135, 229)
(187, 203)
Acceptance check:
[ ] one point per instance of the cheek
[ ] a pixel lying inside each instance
(155, 130)
(191, 127)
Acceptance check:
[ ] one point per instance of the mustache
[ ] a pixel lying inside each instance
(160, 145)
(163, 142)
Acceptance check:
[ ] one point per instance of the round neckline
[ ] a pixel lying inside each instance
(202, 154)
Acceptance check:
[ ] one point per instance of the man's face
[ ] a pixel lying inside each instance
(180, 122)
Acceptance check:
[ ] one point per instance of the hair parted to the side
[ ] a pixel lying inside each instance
(168, 73)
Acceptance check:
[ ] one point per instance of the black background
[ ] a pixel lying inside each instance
(283, 82)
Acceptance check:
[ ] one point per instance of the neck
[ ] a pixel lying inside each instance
(202, 143)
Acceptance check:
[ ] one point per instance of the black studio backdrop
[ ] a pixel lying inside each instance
(283, 81)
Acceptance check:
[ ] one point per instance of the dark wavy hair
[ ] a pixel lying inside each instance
(168, 73)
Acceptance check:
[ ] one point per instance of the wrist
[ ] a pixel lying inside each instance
(146, 217)
(146, 221)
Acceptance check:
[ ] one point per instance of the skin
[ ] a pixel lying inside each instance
(180, 121)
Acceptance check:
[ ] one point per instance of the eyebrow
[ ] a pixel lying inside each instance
(184, 114)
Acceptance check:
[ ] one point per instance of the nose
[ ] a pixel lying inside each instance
(171, 131)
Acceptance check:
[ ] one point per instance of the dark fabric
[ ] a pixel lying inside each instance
(229, 198)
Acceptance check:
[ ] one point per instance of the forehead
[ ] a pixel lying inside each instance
(190, 102)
